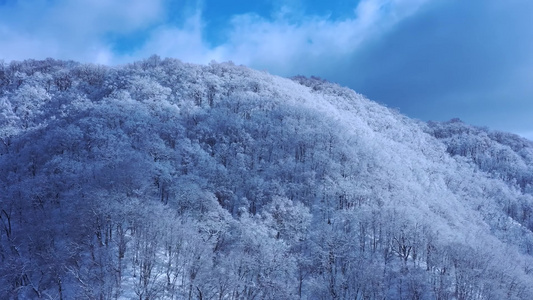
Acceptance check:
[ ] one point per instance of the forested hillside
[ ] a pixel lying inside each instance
(166, 180)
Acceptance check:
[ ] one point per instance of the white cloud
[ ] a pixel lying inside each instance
(185, 43)
(78, 30)
(99, 16)
(71, 29)
(281, 45)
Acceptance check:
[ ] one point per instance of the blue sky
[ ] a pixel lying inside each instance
(431, 59)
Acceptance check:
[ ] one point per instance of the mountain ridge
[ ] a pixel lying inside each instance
(166, 180)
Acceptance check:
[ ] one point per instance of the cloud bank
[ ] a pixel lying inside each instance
(71, 29)
(84, 30)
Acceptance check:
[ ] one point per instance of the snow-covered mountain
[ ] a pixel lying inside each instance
(166, 180)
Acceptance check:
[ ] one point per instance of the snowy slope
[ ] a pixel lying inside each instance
(165, 180)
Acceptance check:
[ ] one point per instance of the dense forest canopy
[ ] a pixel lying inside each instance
(166, 180)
